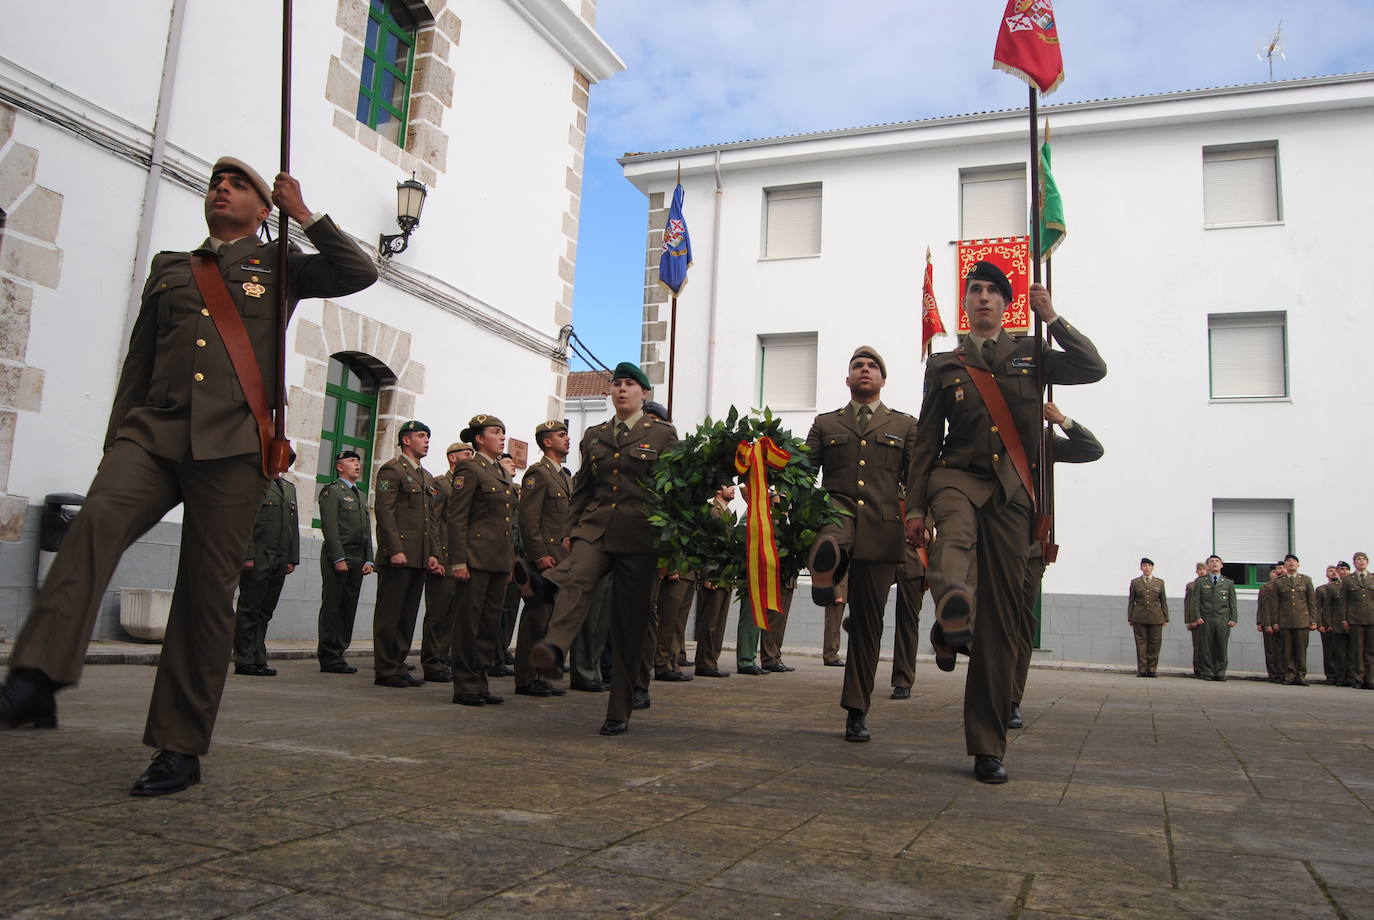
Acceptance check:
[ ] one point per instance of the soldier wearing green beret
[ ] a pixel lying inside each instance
(407, 547)
(345, 559)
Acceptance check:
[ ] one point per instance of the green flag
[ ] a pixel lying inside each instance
(1052, 226)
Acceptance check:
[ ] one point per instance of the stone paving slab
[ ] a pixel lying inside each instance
(325, 796)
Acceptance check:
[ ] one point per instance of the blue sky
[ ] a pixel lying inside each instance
(724, 70)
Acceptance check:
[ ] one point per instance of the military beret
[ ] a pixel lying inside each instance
(1342, 564)
(986, 271)
(477, 423)
(234, 164)
(1146, 560)
(656, 409)
(408, 427)
(867, 351)
(347, 455)
(632, 372)
(552, 424)
(460, 445)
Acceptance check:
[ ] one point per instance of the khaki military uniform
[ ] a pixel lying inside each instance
(347, 531)
(1335, 634)
(863, 468)
(274, 544)
(906, 634)
(405, 492)
(480, 516)
(180, 432)
(610, 532)
(1266, 618)
(436, 630)
(771, 639)
(674, 607)
(1147, 612)
(1357, 602)
(1295, 602)
(1194, 631)
(713, 609)
(545, 497)
(1214, 603)
(963, 478)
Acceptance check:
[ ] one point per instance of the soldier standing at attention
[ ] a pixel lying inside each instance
(180, 432)
(1147, 613)
(1334, 639)
(274, 551)
(344, 559)
(863, 450)
(1357, 603)
(1199, 569)
(1266, 617)
(407, 546)
(713, 602)
(1295, 602)
(974, 482)
(545, 495)
(1213, 611)
(437, 627)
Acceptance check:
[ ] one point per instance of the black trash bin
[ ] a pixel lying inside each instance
(59, 510)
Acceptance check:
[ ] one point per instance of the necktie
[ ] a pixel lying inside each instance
(987, 350)
(865, 414)
(621, 430)
(223, 248)
(1214, 579)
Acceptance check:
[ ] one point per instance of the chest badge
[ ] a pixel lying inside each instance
(253, 289)
(958, 394)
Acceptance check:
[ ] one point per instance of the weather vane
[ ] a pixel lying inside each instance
(1271, 48)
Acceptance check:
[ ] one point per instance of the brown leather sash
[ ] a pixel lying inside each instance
(275, 451)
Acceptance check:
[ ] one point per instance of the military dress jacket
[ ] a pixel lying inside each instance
(438, 516)
(178, 396)
(1266, 614)
(276, 533)
(1330, 610)
(1213, 600)
(545, 497)
(404, 523)
(1146, 604)
(480, 515)
(345, 524)
(864, 472)
(1295, 602)
(611, 491)
(1357, 598)
(958, 446)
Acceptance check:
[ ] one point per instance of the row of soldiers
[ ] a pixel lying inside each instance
(1341, 611)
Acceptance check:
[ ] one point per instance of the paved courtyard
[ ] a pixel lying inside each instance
(324, 796)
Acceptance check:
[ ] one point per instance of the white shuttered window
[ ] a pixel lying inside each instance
(787, 371)
(992, 203)
(1251, 530)
(792, 222)
(1248, 353)
(1240, 186)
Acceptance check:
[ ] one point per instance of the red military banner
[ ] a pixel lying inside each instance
(1028, 44)
(1012, 256)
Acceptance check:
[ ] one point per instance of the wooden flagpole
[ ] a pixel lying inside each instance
(283, 228)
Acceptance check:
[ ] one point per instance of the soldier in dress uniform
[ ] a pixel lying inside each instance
(609, 531)
(1267, 620)
(1147, 613)
(1199, 569)
(408, 548)
(969, 479)
(1335, 640)
(1295, 602)
(713, 603)
(180, 432)
(440, 588)
(545, 497)
(906, 632)
(274, 551)
(481, 551)
(1213, 610)
(345, 559)
(1357, 603)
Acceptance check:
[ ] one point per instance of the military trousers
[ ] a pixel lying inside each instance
(1216, 636)
(632, 585)
(1195, 634)
(713, 610)
(674, 606)
(259, 590)
(644, 664)
(584, 658)
(436, 629)
(534, 623)
(1148, 638)
(870, 583)
(747, 635)
(830, 635)
(906, 633)
(1025, 632)
(399, 589)
(1335, 655)
(131, 492)
(1294, 654)
(771, 639)
(478, 603)
(1273, 654)
(338, 607)
(1361, 653)
(984, 548)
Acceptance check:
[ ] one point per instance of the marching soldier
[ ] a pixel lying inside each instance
(545, 496)
(408, 550)
(1147, 613)
(274, 551)
(345, 559)
(1213, 611)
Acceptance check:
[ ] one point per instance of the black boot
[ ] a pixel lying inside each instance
(28, 698)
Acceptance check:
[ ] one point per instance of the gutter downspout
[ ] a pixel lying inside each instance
(715, 290)
(154, 179)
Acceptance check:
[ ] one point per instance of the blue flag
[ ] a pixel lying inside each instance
(677, 247)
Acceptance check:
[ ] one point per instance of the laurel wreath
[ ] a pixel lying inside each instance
(690, 538)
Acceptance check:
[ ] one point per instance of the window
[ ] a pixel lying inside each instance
(388, 64)
(992, 203)
(792, 222)
(1248, 355)
(1240, 185)
(787, 371)
(350, 417)
(1250, 535)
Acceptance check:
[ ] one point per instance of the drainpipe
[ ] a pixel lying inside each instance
(154, 179)
(715, 288)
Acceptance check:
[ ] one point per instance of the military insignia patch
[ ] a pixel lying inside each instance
(1022, 362)
(458, 482)
(253, 289)
(384, 485)
(958, 394)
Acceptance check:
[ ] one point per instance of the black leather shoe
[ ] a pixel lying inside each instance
(499, 670)
(837, 663)
(396, 681)
(827, 565)
(338, 667)
(856, 727)
(491, 699)
(411, 680)
(1015, 721)
(169, 772)
(944, 655)
(776, 667)
(255, 670)
(753, 669)
(901, 693)
(672, 676)
(954, 613)
(682, 662)
(534, 689)
(28, 698)
(438, 677)
(989, 769)
(612, 727)
(710, 672)
(641, 699)
(553, 691)
(785, 667)
(469, 699)
(594, 686)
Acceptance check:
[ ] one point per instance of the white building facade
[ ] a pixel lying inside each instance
(1214, 255)
(105, 151)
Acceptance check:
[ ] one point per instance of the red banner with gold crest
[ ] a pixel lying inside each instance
(1012, 256)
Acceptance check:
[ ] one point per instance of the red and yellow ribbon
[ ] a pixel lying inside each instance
(765, 583)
